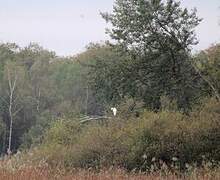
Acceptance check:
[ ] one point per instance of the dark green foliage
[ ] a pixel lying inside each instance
(156, 37)
(106, 73)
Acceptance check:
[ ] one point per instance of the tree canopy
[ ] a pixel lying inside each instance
(155, 37)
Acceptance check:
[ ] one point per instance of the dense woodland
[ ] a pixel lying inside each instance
(167, 97)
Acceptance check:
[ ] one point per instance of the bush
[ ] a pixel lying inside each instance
(151, 139)
(187, 139)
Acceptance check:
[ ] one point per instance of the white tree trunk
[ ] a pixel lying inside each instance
(12, 86)
(38, 100)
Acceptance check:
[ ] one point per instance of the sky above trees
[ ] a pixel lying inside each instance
(67, 26)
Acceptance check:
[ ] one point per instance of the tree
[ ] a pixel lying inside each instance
(158, 36)
(13, 76)
(208, 62)
(7, 53)
(104, 73)
(36, 61)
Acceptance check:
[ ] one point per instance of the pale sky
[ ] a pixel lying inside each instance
(67, 26)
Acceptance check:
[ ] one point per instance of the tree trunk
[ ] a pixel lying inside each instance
(11, 89)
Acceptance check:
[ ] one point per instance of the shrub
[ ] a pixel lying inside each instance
(139, 143)
(189, 139)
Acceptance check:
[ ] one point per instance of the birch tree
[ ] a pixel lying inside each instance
(13, 77)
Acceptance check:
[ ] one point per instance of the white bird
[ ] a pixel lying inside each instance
(114, 110)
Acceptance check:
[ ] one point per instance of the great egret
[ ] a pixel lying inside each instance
(114, 110)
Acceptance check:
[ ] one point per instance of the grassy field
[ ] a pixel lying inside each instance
(16, 168)
(40, 173)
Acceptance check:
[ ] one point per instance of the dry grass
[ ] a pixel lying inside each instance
(18, 168)
(45, 174)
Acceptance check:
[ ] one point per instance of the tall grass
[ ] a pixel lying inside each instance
(44, 173)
